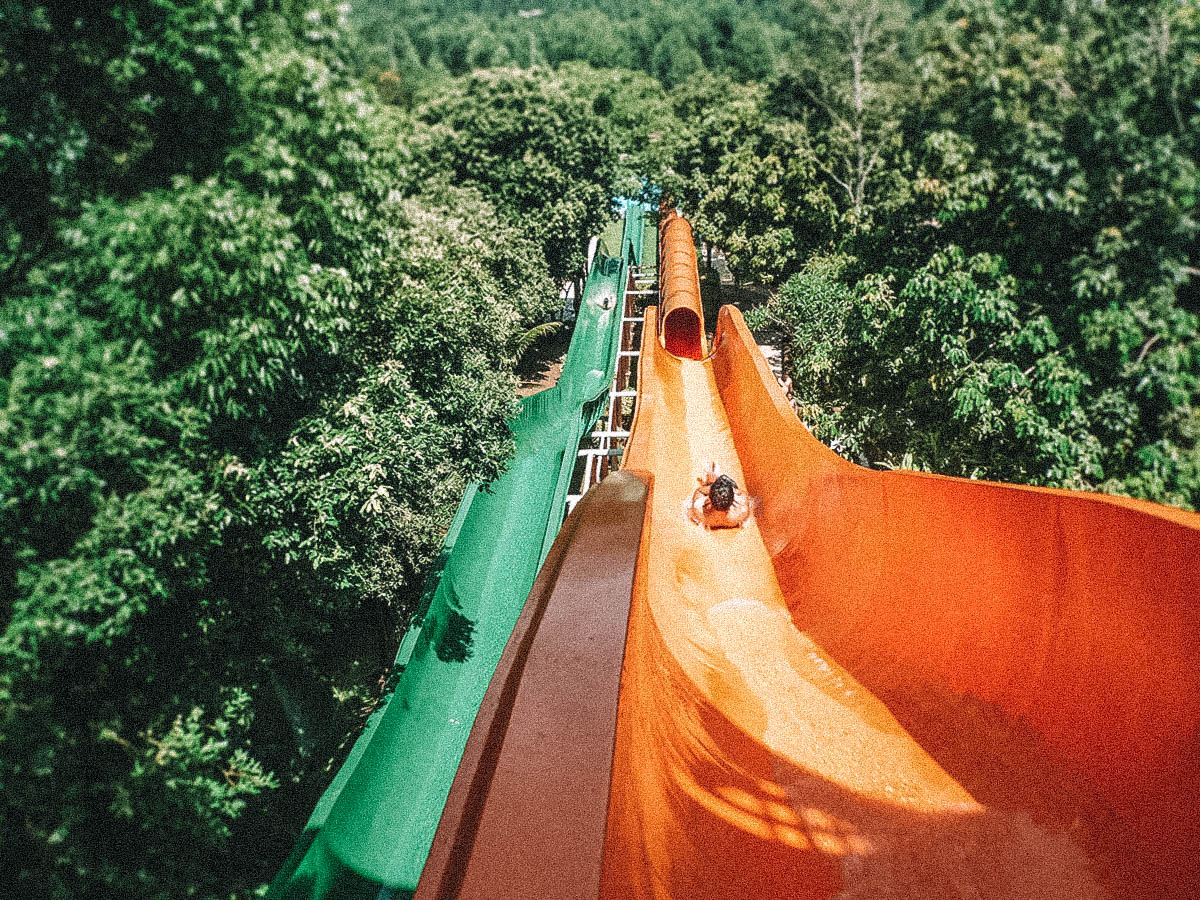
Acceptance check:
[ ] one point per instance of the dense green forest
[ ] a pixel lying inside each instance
(267, 265)
(979, 217)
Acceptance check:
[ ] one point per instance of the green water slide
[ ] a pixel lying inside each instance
(372, 829)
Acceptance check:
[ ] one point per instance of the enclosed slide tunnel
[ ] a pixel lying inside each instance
(682, 313)
(888, 684)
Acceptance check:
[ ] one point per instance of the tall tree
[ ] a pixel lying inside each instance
(542, 155)
(848, 81)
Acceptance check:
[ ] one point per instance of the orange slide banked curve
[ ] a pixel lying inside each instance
(893, 684)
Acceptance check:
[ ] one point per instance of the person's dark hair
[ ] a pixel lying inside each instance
(720, 495)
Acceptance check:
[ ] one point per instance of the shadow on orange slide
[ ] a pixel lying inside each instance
(892, 684)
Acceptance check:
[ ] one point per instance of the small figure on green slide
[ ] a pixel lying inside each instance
(718, 502)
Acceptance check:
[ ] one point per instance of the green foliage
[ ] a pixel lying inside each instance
(849, 80)
(754, 47)
(947, 373)
(110, 534)
(216, 281)
(767, 201)
(357, 500)
(1060, 145)
(526, 341)
(672, 42)
(242, 386)
(676, 59)
(187, 781)
(95, 98)
(540, 154)
(640, 118)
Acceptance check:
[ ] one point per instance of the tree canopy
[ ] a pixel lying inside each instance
(258, 336)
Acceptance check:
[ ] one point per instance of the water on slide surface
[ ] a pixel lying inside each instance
(749, 763)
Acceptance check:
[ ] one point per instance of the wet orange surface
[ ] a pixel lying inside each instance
(889, 684)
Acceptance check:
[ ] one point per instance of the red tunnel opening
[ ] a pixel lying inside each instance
(681, 333)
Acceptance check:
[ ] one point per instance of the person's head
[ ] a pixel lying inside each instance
(720, 494)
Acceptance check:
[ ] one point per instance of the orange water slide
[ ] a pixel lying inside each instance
(891, 684)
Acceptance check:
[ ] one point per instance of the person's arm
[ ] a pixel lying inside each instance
(739, 510)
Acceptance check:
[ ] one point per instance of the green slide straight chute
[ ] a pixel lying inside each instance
(371, 831)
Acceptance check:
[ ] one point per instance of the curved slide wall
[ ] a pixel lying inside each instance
(1074, 617)
(376, 822)
(893, 684)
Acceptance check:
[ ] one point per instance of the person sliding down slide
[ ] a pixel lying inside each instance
(717, 502)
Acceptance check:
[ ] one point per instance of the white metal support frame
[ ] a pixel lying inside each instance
(610, 435)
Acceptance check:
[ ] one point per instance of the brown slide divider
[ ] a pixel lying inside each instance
(682, 314)
(526, 813)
